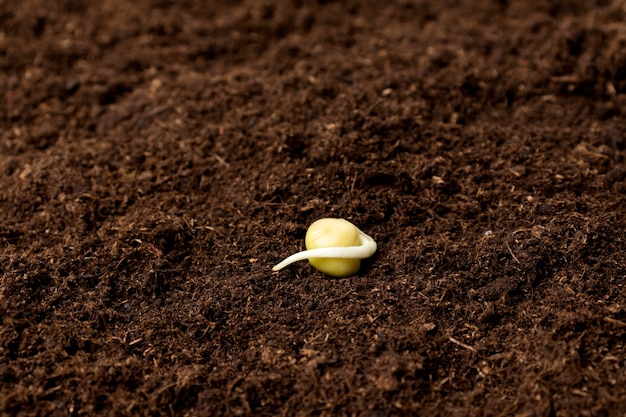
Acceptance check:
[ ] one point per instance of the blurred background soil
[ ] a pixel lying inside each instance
(158, 157)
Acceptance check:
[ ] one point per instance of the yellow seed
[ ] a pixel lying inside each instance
(333, 246)
(326, 233)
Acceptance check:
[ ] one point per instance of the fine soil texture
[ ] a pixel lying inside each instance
(158, 157)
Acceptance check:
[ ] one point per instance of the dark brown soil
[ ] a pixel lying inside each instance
(158, 157)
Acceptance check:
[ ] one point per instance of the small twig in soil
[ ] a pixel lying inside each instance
(511, 252)
(463, 345)
(618, 323)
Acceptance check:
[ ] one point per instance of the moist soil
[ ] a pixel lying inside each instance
(158, 157)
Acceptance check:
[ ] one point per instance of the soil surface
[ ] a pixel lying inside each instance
(158, 157)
